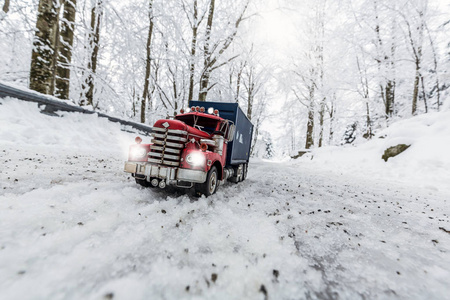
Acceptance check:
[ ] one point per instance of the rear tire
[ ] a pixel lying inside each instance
(209, 187)
(244, 172)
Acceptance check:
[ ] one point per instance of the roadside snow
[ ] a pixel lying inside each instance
(426, 164)
(73, 225)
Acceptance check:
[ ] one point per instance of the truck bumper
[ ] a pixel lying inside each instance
(170, 175)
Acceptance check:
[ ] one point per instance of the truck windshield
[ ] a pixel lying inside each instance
(202, 123)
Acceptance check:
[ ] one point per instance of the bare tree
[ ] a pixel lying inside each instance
(364, 91)
(386, 63)
(87, 97)
(305, 93)
(214, 53)
(416, 44)
(204, 80)
(435, 68)
(309, 90)
(145, 94)
(194, 22)
(310, 123)
(240, 70)
(331, 112)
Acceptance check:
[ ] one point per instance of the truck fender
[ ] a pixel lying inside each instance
(219, 168)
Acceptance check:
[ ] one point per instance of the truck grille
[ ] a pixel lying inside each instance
(167, 146)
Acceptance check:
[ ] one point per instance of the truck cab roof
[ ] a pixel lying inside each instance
(203, 121)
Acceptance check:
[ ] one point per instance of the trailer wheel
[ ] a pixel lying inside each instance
(210, 186)
(244, 172)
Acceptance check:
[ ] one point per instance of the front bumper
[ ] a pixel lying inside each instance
(168, 174)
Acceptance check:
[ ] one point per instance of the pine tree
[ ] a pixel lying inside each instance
(269, 152)
(350, 134)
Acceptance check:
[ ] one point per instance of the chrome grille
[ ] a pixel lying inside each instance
(167, 145)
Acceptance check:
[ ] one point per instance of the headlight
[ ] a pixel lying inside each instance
(195, 159)
(138, 152)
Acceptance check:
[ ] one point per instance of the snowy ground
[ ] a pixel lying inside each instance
(74, 226)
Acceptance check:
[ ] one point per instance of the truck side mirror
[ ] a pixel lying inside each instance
(230, 133)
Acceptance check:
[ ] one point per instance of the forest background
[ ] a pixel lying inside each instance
(307, 73)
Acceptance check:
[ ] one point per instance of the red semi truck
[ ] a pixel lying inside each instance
(197, 149)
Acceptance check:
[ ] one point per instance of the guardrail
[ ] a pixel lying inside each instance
(53, 104)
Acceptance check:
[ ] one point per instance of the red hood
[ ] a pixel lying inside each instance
(178, 125)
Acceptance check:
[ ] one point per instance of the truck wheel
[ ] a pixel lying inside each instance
(244, 172)
(210, 186)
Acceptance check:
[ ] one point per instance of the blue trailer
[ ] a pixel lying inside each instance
(238, 152)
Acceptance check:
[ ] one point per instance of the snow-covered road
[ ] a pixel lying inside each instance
(73, 225)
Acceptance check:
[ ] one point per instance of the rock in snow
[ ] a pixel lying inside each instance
(394, 151)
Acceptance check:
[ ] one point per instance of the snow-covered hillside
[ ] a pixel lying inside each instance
(73, 225)
(424, 164)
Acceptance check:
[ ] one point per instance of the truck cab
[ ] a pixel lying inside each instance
(189, 150)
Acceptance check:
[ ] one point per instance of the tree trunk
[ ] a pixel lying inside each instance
(416, 47)
(310, 125)
(391, 82)
(44, 47)
(330, 138)
(55, 57)
(65, 50)
(435, 69)
(250, 88)
(321, 118)
(204, 80)
(390, 98)
(386, 62)
(133, 104)
(145, 94)
(416, 89)
(255, 135)
(424, 95)
(369, 133)
(193, 51)
(250, 100)
(94, 39)
(238, 80)
(210, 61)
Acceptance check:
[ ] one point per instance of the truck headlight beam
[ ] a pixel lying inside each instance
(138, 152)
(195, 159)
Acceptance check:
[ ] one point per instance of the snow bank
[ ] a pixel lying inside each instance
(20, 124)
(425, 164)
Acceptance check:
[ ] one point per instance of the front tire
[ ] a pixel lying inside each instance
(209, 187)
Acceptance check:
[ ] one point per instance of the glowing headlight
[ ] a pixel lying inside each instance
(195, 159)
(138, 152)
